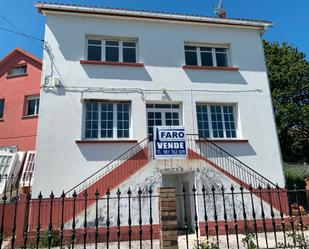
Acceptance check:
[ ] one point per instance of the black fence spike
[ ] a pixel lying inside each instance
(62, 218)
(150, 217)
(140, 219)
(185, 215)
(85, 219)
(129, 218)
(205, 213)
(50, 225)
(263, 216)
(215, 214)
(226, 227)
(107, 217)
(96, 222)
(195, 216)
(235, 215)
(38, 228)
(118, 217)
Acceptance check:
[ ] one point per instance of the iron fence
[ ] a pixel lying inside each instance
(232, 217)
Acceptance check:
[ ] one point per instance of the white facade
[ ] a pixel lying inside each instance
(63, 161)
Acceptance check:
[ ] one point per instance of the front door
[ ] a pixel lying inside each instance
(163, 115)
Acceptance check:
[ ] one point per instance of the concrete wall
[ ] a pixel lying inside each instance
(62, 163)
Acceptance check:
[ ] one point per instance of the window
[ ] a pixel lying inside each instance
(163, 114)
(33, 104)
(19, 70)
(112, 50)
(107, 120)
(1, 108)
(7, 164)
(207, 56)
(216, 121)
(28, 170)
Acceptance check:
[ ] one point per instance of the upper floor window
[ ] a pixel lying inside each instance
(107, 120)
(19, 70)
(1, 108)
(112, 50)
(32, 105)
(211, 56)
(216, 120)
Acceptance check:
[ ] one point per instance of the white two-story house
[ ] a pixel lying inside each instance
(111, 75)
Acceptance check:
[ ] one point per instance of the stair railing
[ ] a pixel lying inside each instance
(220, 158)
(130, 153)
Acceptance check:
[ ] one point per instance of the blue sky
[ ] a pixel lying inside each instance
(291, 18)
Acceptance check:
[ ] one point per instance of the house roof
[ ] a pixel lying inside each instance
(16, 51)
(129, 13)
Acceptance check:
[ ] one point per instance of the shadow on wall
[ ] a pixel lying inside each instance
(116, 72)
(217, 77)
(59, 91)
(103, 152)
(239, 150)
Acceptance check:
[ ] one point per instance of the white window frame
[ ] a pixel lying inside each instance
(163, 111)
(213, 52)
(26, 178)
(19, 68)
(13, 157)
(120, 47)
(115, 137)
(36, 107)
(223, 120)
(3, 102)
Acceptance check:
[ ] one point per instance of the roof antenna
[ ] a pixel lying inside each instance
(219, 11)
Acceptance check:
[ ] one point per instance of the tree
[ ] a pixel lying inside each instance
(288, 72)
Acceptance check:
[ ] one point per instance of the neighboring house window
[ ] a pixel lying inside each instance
(216, 121)
(207, 56)
(19, 70)
(28, 170)
(112, 50)
(107, 120)
(1, 108)
(33, 104)
(5, 162)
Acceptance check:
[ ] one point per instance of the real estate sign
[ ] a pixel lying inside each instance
(170, 141)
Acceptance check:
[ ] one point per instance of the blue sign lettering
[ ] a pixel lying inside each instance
(169, 141)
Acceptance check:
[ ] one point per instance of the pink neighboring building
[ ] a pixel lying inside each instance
(20, 76)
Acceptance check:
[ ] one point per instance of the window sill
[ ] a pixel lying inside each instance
(211, 68)
(16, 76)
(29, 116)
(110, 63)
(1, 120)
(128, 141)
(224, 141)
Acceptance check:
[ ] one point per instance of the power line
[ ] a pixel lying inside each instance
(22, 34)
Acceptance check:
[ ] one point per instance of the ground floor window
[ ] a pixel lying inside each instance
(216, 120)
(28, 170)
(163, 115)
(7, 161)
(104, 120)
